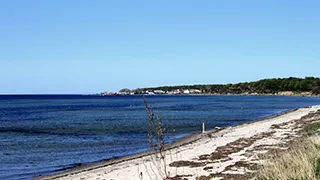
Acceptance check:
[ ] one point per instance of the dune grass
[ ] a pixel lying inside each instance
(313, 129)
(301, 162)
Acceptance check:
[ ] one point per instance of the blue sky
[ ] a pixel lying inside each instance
(78, 46)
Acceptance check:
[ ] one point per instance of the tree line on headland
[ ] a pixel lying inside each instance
(264, 86)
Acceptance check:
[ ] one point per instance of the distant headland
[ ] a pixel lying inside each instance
(307, 86)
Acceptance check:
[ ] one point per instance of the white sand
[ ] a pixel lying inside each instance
(149, 167)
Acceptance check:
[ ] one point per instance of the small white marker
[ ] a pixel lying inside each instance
(203, 128)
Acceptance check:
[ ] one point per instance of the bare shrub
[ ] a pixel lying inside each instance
(156, 140)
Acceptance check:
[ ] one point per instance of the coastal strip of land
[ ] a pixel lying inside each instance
(230, 153)
(292, 86)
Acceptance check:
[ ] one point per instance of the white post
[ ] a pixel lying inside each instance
(203, 127)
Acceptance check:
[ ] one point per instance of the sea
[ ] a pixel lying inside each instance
(45, 134)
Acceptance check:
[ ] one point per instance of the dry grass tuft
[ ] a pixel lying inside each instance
(300, 162)
(156, 140)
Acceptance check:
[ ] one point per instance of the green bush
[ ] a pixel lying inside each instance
(313, 128)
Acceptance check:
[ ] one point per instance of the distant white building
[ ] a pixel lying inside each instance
(187, 91)
(159, 92)
(195, 91)
(149, 92)
(177, 91)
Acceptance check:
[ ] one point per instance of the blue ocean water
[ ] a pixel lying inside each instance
(43, 134)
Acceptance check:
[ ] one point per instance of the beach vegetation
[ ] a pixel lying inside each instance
(156, 140)
(313, 129)
(299, 163)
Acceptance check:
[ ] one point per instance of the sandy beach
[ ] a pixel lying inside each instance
(230, 153)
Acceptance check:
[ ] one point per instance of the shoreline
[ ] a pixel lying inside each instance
(179, 143)
(244, 94)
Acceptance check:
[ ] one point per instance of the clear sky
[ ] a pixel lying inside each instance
(77, 46)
